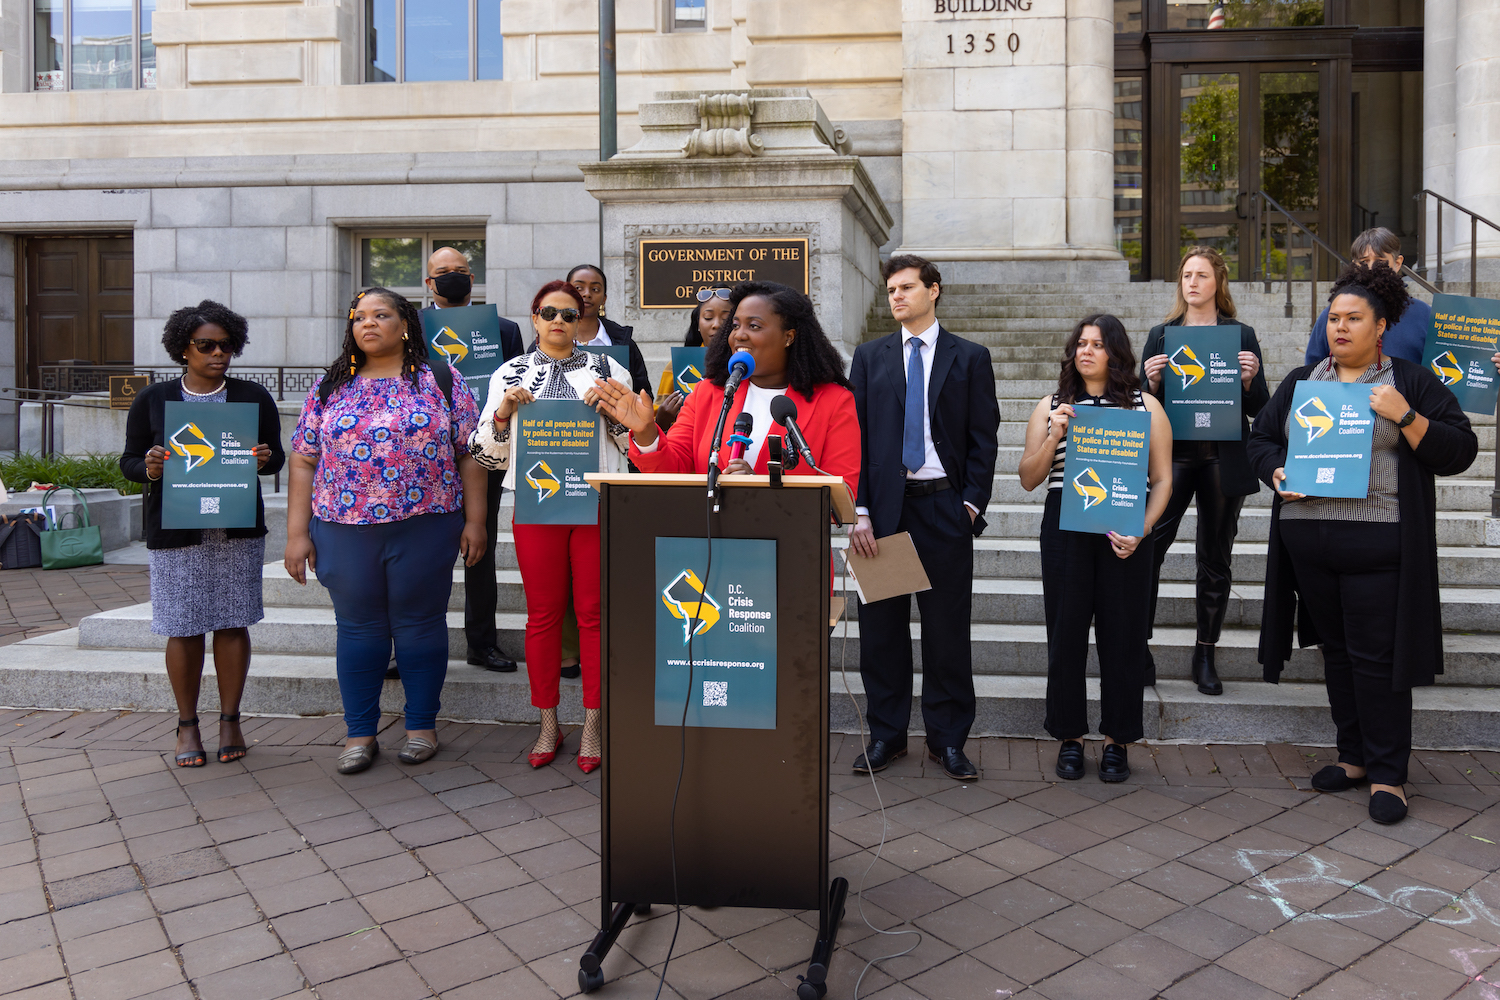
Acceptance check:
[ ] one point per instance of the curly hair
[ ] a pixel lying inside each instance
(1378, 285)
(351, 357)
(185, 322)
(556, 286)
(1123, 380)
(812, 359)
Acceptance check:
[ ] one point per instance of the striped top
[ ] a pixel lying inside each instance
(1055, 477)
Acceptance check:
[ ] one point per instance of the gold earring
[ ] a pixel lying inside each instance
(403, 335)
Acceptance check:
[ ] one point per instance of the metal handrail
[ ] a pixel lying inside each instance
(89, 378)
(1474, 220)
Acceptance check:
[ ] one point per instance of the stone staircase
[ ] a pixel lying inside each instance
(112, 660)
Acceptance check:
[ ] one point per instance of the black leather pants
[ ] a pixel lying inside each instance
(1195, 473)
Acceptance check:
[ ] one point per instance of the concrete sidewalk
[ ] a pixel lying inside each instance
(1213, 873)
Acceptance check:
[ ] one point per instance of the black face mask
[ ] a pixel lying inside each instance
(453, 286)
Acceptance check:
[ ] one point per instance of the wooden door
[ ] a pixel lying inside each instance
(80, 303)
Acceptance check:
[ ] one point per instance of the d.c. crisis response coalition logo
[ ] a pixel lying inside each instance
(689, 377)
(1089, 487)
(193, 445)
(684, 597)
(1314, 416)
(450, 345)
(541, 478)
(1186, 364)
(1447, 368)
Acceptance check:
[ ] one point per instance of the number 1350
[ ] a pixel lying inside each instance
(970, 42)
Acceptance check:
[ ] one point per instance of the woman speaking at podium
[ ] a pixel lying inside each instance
(776, 325)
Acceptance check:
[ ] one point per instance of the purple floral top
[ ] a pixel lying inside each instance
(385, 451)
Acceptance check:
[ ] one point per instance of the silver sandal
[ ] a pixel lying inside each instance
(417, 749)
(358, 758)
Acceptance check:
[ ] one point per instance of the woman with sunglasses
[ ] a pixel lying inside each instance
(595, 331)
(709, 317)
(557, 561)
(202, 580)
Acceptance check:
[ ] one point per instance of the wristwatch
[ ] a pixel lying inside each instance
(1406, 421)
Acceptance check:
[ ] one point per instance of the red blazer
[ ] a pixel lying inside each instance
(827, 421)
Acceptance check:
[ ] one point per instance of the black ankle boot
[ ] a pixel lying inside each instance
(1204, 674)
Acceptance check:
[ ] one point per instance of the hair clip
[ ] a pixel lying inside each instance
(351, 362)
(351, 313)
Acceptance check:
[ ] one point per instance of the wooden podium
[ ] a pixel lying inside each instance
(752, 814)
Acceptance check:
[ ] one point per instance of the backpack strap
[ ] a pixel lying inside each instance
(443, 375)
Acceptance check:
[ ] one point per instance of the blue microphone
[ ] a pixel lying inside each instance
(741, 367)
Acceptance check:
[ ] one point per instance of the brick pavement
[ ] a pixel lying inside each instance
(35, 601)
(1214, 873)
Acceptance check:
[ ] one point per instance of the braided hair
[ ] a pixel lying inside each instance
(812, 359)
(352, 358)
(1378, 285)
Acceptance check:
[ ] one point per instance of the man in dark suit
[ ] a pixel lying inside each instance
(929, 424)
(451, 282)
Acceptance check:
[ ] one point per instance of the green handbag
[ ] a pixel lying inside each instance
(65, 548)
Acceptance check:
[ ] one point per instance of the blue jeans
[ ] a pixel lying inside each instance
(390, 581)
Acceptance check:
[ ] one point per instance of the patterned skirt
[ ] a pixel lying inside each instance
(206, 587)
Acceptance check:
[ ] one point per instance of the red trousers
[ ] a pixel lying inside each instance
(556, 559)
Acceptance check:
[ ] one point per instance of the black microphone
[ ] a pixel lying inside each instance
(784, 412)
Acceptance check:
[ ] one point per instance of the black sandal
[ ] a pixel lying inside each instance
(190, 758)
(230, 754)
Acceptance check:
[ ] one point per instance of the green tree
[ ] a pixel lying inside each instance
(1211, 136)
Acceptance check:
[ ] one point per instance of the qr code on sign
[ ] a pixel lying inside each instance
(208, 505)
(715, 694)
(1201, 420)
(1325, 475)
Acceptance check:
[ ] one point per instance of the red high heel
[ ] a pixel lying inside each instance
(589, 764)
(543, 759)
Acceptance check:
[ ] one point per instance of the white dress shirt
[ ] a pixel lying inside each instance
(758, 405)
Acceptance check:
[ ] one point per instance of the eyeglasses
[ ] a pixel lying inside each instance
(550, 313)
(704, 294)
(205, 345)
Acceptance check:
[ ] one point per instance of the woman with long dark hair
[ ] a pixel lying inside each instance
(1103, 579)
(382, 496)
(1365, 570)
(595, 330)
(1217, 473)
(709, 317)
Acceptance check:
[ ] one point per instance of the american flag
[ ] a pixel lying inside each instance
(1216, 16)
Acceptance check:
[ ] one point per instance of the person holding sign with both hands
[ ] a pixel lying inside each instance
(1103, 578)
(1364, 568)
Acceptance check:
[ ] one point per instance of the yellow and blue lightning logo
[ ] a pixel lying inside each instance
(684, 597)
(688, 378)
(450, 345)
(1089, 487)
(1447, 368)
(197, 452)
(541, 478)
(1314, 416)
(1186, 364)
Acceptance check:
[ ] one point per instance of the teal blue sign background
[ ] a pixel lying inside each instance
(1201, 383)
(734, 643)
(1104, 475)
(557, 442)
(209, 477)
(1465, 333)
(469, 337)
(688, 367)
(1328, 440)
(620, 352)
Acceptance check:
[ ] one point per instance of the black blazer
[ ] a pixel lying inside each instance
(510, 336)
(144, 430)
(1235, 474)
(961, 406)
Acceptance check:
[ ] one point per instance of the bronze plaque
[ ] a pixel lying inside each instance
(672, 271)
(122, 390)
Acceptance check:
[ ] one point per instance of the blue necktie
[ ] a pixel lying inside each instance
(914, 449)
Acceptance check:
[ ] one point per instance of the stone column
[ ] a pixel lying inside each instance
(1091, 123)
(1476, 155)
(1438, 44)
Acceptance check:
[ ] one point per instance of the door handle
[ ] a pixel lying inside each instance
(1239, 205)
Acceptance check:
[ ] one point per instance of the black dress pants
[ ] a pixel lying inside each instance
(1084, 581)
(1195, 472)
(1347, 573)
(480, 589)
(943, 536)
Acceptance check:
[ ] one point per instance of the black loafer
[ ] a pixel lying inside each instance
(955, 764)
(1204, 674)
(1114, 763)
(878, 756)
(1335, 779)
(491, 659)
(1070, 760)
(1387, 808)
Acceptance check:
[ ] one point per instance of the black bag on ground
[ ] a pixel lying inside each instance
(21, 540)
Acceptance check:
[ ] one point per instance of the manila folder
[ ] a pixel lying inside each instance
(895, 571)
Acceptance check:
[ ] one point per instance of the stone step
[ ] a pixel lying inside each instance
(52, 672)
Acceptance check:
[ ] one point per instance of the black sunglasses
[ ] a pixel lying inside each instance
(550, 313)
(704, 294)
(206, 345)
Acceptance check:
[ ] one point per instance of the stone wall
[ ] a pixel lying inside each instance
(8, 315)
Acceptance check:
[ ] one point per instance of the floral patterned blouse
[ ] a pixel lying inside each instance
(386, 451)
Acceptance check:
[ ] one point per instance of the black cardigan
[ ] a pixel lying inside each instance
(144, 430)
(1236, 476)
(1448, 448)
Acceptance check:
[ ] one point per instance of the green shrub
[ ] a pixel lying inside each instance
(80, 471)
